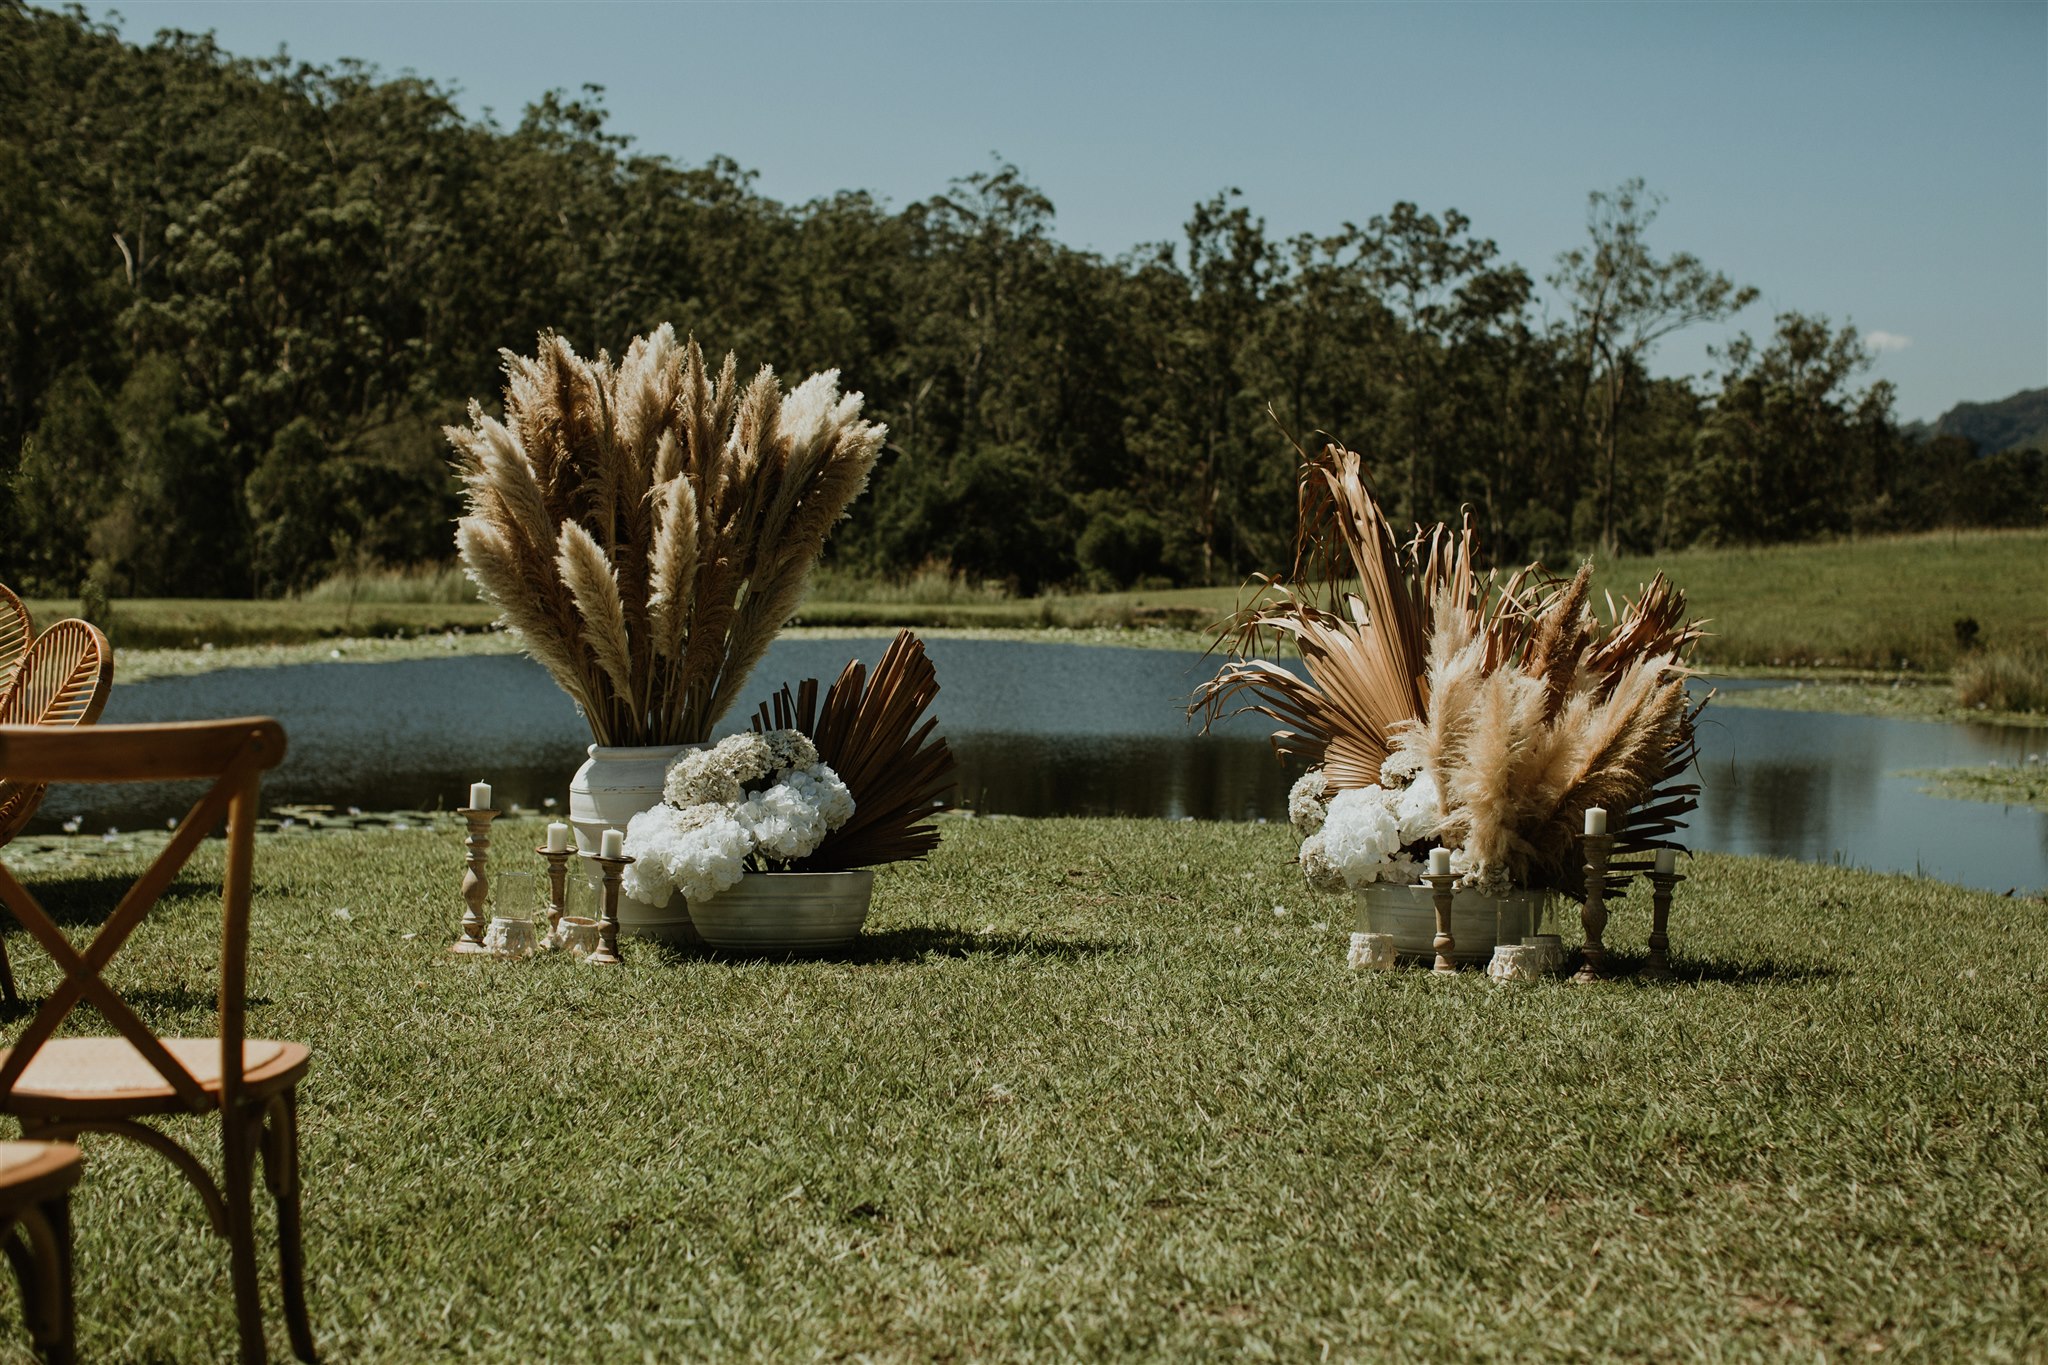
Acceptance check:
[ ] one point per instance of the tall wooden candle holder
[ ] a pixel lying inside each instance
(1440, 888)
(607, 953)
(476, 882)
(558, 885)
(1593, 916)
(1658, 967)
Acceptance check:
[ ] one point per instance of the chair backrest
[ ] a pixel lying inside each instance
(61, 678)
(234, 754)
(16, 631)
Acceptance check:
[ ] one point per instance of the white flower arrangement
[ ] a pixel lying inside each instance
(750, 802)
(1371, 834)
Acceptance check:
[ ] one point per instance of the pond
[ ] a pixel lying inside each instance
(1071, 730)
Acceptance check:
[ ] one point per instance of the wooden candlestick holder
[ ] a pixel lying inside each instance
(1593, 915)
(607, 954)
(1440, 888)
(476, 881)
(1661, 885)
(558, 885)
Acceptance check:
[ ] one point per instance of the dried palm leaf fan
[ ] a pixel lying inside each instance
(647, 528)
(869, 732)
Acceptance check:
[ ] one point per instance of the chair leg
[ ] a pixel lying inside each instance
(62, 1342)
(281, 1172)
(238, 1171)
(39, 1247)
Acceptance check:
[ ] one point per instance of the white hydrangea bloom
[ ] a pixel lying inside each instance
(1316, 867)
(1415, 807)
(699, 852)
(1361, 833)
(1400, 768)
(1305, 801)
(789, 749)
(823, 789)
(718, 774)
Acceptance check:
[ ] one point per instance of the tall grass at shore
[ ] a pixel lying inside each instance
(1102, 1089)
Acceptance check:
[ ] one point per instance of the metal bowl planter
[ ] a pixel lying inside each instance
(787, 912)
(1478, 921)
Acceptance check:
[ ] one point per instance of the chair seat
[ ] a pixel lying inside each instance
(27, 1163)
(107, 1072)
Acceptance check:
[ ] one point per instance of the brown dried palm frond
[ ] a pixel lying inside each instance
(646, 528)
(874, 733)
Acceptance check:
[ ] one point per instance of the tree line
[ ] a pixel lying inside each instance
(239, 299)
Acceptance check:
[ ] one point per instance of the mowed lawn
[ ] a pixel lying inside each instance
(1882, 603)
(1098, 1089)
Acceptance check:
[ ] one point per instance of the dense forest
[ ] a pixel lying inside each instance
(240, 298)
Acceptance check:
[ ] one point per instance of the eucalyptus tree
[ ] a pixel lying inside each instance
(1623, 301)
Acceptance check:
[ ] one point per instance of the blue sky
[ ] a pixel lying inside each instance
(1885, 164)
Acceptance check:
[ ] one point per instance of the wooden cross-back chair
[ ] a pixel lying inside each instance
(60, 1086)
(35, 1211)
(59, 678)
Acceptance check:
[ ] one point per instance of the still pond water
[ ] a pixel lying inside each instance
(1071, 730)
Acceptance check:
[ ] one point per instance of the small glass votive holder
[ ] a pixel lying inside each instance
(1549, 949)
(511, 931)
(1371, 953)
(575, 934)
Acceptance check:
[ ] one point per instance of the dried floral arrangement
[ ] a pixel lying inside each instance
(1443, 707)
(753, 802)
(853, 783)
(648, 528)
(874, 731)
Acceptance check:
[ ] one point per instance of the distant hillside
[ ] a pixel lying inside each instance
(2021, 420)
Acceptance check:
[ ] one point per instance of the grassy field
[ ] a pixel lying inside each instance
(1085, 1091)
(1885, 604)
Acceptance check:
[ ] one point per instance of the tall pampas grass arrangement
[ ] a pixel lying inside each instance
(648, 527)
(1482, 714)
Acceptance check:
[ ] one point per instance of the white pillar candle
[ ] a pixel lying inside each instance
(558, 837)
(1667, 862)
(614, 845)
(1439, 862)
(1596, 820)
(479, 796)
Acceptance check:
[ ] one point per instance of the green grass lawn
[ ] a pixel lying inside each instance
(1082, 1092)
(1887, 603)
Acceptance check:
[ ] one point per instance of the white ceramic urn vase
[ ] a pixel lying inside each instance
(614, 785)
(1478, 921)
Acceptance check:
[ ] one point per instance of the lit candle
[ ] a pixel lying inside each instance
(1596, 820)
(1667, 862)
(614, 845)
(558, 837)
(479, 796)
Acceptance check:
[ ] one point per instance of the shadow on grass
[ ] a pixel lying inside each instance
(75, 901)
(147, 1001)
(1696, 971)
(921, 944)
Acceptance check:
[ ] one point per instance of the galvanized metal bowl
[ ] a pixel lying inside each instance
(787, 912)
